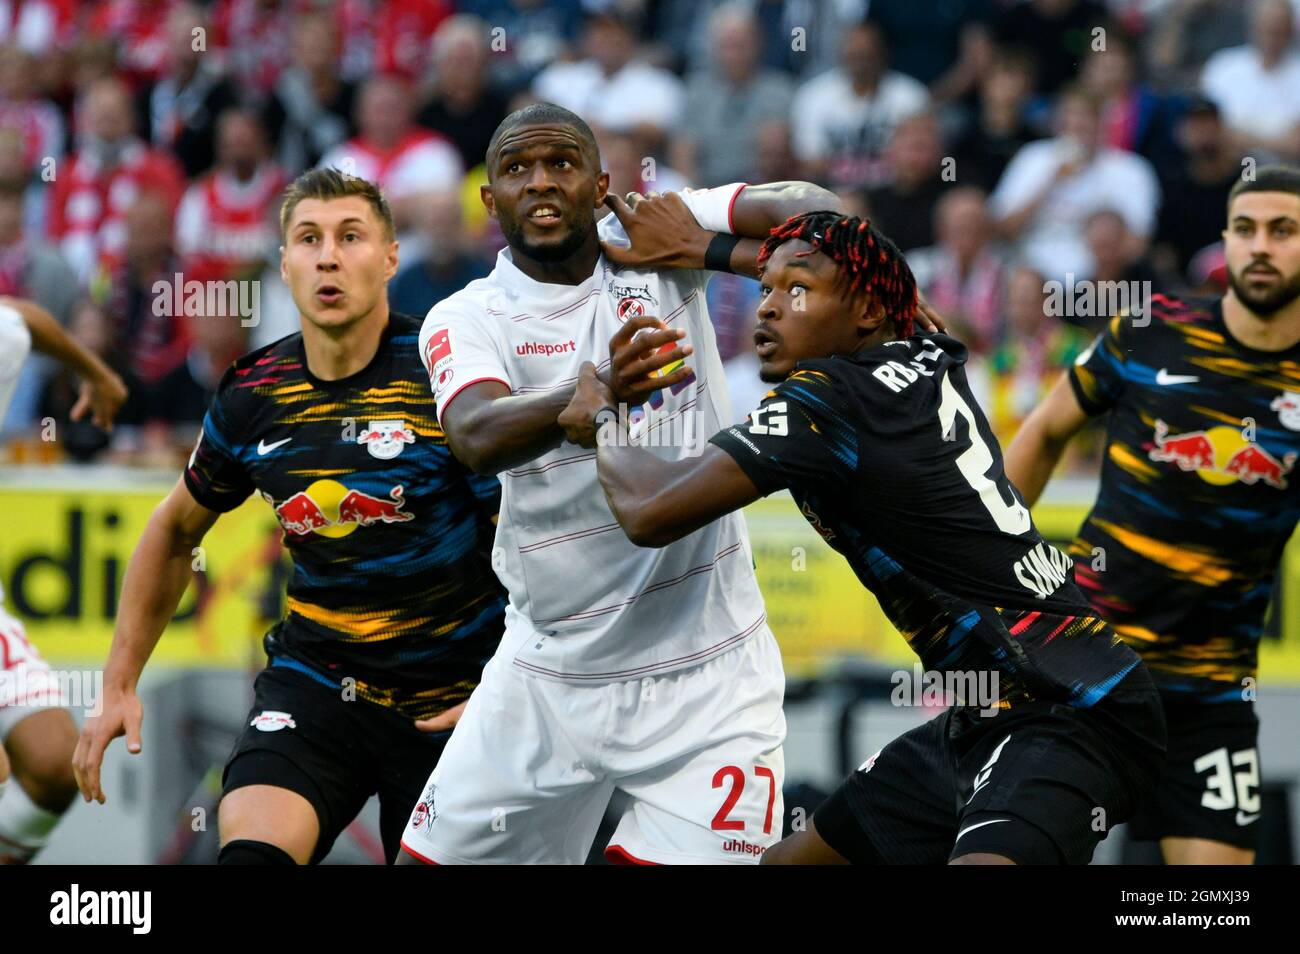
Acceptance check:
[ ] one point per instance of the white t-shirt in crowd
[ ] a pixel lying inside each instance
(422, 163)
(586, 605)
(638, 93)
(1259, 102)
(830, 121)
(1053, 241)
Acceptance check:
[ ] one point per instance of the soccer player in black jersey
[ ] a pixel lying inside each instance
(875, 433)
(1198, 496)
(392, 607)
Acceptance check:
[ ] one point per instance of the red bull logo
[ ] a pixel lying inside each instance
(385, 439)
(332, 510)
(1220, 455)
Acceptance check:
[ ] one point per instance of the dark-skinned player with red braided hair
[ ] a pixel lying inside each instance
(1057, 733)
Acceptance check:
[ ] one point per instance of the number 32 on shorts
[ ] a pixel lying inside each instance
(734, 776)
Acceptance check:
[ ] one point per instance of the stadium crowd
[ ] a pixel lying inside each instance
(1004, 144)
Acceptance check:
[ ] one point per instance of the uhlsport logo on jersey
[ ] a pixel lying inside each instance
(332, 510)
(386, 439)
(1221, 455)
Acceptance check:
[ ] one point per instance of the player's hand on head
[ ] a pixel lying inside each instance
(103, 396)
(121, 714)
(662, 230)
(444, 721)
(927, 320)
(641, 347)
(591, 396)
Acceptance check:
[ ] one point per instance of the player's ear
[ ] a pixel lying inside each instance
(870, 316)
(488, 199)
(602, 189)
(391, 260)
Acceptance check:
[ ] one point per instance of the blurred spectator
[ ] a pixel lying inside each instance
(38, 26)
(253, 37)
(1028, 362)
(774, 159)
(444, 266)
(534, 34)
(843, 119)
(1257, 86)
(144, 325)
(226, 226)
(1117, 256)
(962, 275)
(1195, 188)
(97, 184)
(1051, 187)
(37, 121)
(310, 110)
(463, 106)
(903, 208)
(404, 31)
(81, 440)
(726, 105)
(1134, 117)
(1183, 34)
(407, 162)
(140, 29)
(611, 87)
(624, 156)
(184, 104)
(946, 44)
(29, 267)
(1056, 33)
(999, 128)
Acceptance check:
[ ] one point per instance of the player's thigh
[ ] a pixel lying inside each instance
(1206, 807)
(518, 781)
(1045, 782)
(1202, 851)
(40, 748)
(700, 755)
(899, 806)
(300, 737)
(270, 814)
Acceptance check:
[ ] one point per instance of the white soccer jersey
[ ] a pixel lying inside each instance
(586, 605)
(15, 345)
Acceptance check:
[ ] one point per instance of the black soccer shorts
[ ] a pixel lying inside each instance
(1210, 785)
(304, 736)
(1039, 783)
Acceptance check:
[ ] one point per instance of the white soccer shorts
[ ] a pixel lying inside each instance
(26, 683)
(530, 768)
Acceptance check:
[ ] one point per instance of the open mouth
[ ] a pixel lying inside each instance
(544, 214)
(329, 294)
(765, 343)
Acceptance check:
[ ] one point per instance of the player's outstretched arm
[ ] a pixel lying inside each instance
(1036, 449)
(490, 430)
(102, 391)
(655, 501)
(156, 578)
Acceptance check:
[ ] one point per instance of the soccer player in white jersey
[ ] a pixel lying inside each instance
(648, 671)
(37, 735)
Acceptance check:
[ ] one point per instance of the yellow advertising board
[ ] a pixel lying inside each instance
(64, 549)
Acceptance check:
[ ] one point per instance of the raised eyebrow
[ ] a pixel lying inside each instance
(516, 150)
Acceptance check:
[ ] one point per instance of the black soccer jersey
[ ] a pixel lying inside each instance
(391, 585)
(1197, 497)
(891, 460)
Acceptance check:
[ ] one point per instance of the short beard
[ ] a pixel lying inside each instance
(1270, 303)
(577, 237)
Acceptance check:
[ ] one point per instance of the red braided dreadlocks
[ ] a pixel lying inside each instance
(869, 259)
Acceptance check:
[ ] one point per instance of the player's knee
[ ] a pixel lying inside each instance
(245, 851)
(51, 785)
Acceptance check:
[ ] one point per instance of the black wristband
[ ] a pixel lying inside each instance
(717, 257)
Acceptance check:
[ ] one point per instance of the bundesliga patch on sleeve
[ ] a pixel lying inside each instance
(437, 358)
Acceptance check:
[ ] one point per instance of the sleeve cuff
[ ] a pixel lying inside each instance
(746, 459)
(1090, 407)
